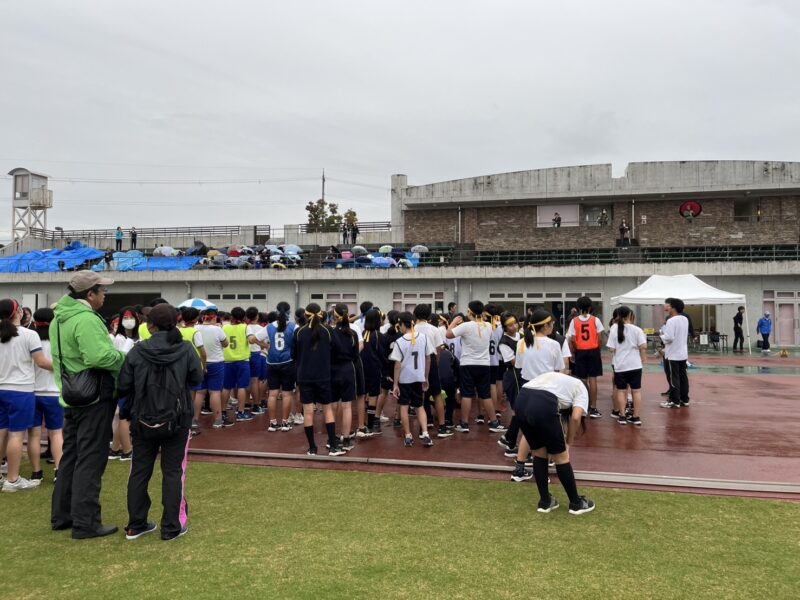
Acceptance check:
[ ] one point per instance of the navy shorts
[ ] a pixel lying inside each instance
(537, 413)
(410, 394)
(495, 374)
(258, 366)
(214, 377)
(628, 378)
(17, 410)
(361, 385)
(237, 375)
(434, 383)
(49, 411)
(372, 384)
(475, 381)
(282, 377)
(315, 392)
(511, 386)
(588, 363)
(343, 383)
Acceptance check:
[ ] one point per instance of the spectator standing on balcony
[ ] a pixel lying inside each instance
(118, 236)
(624, 234)
(353, 233)
(133, 235)
(556, 220)
(764, 327)
(345, 233)
(602, 218)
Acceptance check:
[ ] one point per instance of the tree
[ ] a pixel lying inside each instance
(324, 216)
(350, 217)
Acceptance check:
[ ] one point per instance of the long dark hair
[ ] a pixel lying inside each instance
(283, 309)
(372, 325)
(121, 330)
(341, 314)
(315, 318)
(623, 312)
(8, 308)
(41, 322)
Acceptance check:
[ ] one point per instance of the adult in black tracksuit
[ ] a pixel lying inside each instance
(738, 333)
(312, 354)
(165, 349)
(344, 354)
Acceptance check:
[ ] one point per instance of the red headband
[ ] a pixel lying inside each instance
(14, 309)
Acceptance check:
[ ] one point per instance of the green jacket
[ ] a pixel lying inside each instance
(84, 341)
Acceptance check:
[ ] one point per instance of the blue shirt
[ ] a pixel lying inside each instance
(281, 344)
(764, 326)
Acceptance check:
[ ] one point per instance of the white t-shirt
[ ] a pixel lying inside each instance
(544, 356)
(494, 350)
(597, 322)
(675, 335)
(565, 351)
(569, 391)
(454, 344)
(16, 362)
(475, 339)
(213, 336)
(411, 357)
(45, 381)
(122, 343)
(433, 335)
(359, 333)
(385, 327)
(508, 354)
(254, 329)
(626, 353)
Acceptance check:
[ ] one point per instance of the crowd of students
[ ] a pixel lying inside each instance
(292, 365)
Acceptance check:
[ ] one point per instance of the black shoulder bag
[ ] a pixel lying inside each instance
(80, 389)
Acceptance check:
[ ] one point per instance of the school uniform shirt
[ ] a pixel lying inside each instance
(544, 356)
(675, 335)
(281, 343)
(626, 353)
(494, 351)
(579, 321)
(344, 347)
(568, 390)
(313, 363)
(122, 343)
(16, 362)
(411, 357)
(507, 353)
(432, 334)
(565, 351)
(45, 381)
(213, 336)
(454, 345)
(254, 329)
(475, 339)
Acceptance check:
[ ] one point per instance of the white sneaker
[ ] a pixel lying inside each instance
(4, 469)
(19, 485)
(384, 419)
(298, 419)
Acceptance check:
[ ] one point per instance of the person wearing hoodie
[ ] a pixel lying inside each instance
(80, 341)
(164, 353)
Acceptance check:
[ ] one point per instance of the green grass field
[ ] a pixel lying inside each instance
(287, 533)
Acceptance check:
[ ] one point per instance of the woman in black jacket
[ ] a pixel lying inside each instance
(157, 379)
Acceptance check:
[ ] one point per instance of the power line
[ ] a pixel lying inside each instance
(161, 165)
(176, 181)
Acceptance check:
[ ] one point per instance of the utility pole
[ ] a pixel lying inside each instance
(323, 184)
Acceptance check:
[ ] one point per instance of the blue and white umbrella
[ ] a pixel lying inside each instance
(197, 303)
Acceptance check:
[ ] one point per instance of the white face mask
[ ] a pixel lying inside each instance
(128, 323)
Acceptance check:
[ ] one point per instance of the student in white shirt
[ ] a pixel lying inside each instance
(675, 335)
(492, 315)
(412, 363)
(422, 316)
(628, 345)
(214, 340)
(20, 350)
(511, 379)
(125, 337)
(475, 335)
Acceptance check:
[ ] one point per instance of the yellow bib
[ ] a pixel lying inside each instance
(238, 349)
(188, 334)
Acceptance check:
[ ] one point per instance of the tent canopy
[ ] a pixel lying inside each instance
(688, 288)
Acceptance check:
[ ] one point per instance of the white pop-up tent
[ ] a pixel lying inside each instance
(688, 288)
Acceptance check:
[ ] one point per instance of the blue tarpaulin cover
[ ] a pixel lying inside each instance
(47, 261)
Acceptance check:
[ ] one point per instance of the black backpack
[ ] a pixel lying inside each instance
(159, 412)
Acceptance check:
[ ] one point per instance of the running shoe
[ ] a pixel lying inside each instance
(256, 410)
(364, 432)
(226, 421)
(218, 424)
(444, 432)
(134, 533)
(408, 441)
(550, 464)
(4, 467)
(244, 416)
(384, 419)
(521, 474)
(622, 420)
(497, 427)
(311, 452)
(497, 414)
(463, 427)
(273, 426)
(206, 411)
(126, 456)
(670, 404)
(347, 443)
(665, 393)
(503, 442)
(511, 453)
(37, 476)
(55, 475)
(337, 450)
(298, 419)
(114, 454)
(614, 414)
(173, 536)
(397, 423)
(480, 419)
(581, 506)
(285, 426)
(547, 506)
(684, 404)
(427, 441)
(594, 413)
(635, 421)
(20, 485)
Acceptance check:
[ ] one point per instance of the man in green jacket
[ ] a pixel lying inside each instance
(80, 341)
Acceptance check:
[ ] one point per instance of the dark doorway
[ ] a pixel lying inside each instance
(114, 302)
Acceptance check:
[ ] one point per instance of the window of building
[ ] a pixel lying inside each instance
(746, 209)
(558, 215)
(598, 216)
(408, 300)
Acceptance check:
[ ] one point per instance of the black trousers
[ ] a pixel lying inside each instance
(76, 497)
(118, 245)
(738, 337)
(765, 341)
(678, 382)
(133, 242)
(174, 457)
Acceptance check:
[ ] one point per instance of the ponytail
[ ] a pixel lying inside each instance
(283, 309)
(528, 335)
(623, 312)
(8, 330)
(315, 318)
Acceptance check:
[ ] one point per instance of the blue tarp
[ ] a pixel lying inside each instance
(134, 260)
(47, 261)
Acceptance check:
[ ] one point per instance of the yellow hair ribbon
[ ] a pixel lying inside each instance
(510, 321)
(413, 335)
(366, 335)
(479, 322)
(495, 321)
(545, 322)
(445, 319)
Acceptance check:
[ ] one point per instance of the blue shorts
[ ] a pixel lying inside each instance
(214, 377)
(17, 410)
(258, 366)
(237, 375)
(49, 410)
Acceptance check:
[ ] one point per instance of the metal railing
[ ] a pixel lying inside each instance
(363, 227)
(146, 232)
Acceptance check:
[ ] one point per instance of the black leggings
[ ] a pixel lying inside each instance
(738, 337)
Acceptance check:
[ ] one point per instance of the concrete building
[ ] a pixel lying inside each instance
(743, 203)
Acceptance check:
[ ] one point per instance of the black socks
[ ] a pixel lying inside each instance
(332, 440)
(567, 479)
(540, 475)
(370, 417)
(309, 429)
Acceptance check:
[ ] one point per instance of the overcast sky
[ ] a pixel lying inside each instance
(276, 91)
